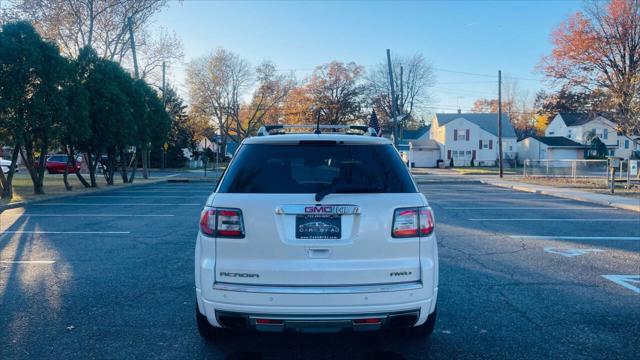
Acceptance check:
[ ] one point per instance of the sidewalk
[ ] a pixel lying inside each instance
(579, 195)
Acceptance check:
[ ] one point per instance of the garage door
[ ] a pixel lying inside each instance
(426, 158)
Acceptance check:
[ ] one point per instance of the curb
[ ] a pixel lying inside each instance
(623, 206)
(23, 203)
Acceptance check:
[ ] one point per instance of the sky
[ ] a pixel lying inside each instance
(466, 42)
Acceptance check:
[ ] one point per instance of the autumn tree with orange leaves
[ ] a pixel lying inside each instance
(599, 49)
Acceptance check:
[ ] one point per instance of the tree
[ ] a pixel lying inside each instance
(33, 101)
(110, 112)
(181, 135)
(599, 48)
(337, 91)
(271, 91)
(411, 89)
(566, 100)
(102, 25)
(216, 83)
(485, 106)
(599, 148)
(156, 119)
(75, 128)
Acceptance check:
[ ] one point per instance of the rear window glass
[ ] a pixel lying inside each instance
(309, 168)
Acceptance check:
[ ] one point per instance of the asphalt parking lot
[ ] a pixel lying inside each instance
(522, 275)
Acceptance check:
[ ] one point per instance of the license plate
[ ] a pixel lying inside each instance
(318, 227)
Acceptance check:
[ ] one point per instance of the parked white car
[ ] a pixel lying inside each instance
(316, 233)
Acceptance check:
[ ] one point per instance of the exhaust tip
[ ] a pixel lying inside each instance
(400, 321)
(233, 321)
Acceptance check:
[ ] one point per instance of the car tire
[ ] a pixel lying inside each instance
(426, 329)
(206, 330)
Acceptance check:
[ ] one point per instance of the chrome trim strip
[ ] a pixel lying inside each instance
(314, 209)
(359, 289)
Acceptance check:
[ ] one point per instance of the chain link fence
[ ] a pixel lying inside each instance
(576, 169)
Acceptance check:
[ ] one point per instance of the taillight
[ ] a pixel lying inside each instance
(208, 221)
(222, 222)
(230, 223)
(427, 223)
(412, 222)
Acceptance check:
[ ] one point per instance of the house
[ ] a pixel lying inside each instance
(416, 146)
(550, 148)
(582, 127)
(466, 136)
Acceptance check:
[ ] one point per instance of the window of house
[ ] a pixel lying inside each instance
(626, 144)
(455, 154)
(611, 152)
(462, 135)
(605, 134)
(551, 132)
(485, 146)
(468, 154)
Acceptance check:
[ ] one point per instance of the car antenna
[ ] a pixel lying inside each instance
(318, 132)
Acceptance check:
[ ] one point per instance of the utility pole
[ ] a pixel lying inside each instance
(393, 100)
(136, 75)
(500, 122)
(164, 105)
(399, 111)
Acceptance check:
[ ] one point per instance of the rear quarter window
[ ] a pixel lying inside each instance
(308, 168)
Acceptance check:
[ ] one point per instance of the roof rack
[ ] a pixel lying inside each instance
(268, 130)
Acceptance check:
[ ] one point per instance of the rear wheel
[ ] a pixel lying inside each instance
(426, 329)
(206, 330)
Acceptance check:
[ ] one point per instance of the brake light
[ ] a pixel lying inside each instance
(222, 222)
(230, 223)
(405, 223)
(412, 222)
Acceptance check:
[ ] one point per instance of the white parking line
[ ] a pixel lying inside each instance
(625, 238)
(27, 262)
(66, 232)
(114, 204)
(85, 215)
(133, 197)
(625, 280)
(531, 208)
(572, 220)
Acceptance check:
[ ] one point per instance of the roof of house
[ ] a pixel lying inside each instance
(486, 121)
(429, 144)
(558, 141)
(415, 134)
(577, 119)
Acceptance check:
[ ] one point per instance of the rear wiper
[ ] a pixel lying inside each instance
(346, 188)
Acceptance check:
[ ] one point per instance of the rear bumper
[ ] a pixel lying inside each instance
(318, 304)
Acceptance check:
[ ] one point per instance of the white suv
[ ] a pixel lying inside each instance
(316, 232)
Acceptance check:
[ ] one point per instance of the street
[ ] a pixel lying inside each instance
(522, 275)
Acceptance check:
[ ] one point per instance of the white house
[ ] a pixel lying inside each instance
(416, 146)
(550, 148)
(466, 136)
(581, 127)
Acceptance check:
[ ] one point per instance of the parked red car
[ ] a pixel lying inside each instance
(55, 164)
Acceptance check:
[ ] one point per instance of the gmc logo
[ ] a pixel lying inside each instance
(318, 209)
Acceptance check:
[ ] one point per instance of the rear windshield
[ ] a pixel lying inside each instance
(293, 169)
